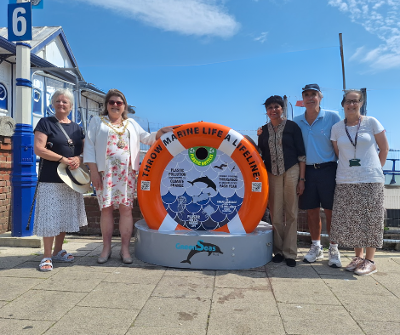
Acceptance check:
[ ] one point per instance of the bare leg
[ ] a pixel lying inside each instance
(359, 252)
(48, 246)
(58, 243)
(125, 228)
(107, 227)
(328, 216)
(314, 223)
(370, 253)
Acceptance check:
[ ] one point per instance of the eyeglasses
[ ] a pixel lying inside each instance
(349, 102)
(113, 102)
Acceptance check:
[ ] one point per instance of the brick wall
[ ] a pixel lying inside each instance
(93, 216)
(5, 184)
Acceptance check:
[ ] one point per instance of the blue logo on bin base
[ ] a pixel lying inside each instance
(201, 246)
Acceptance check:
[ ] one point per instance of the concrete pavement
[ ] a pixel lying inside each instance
(84, 297)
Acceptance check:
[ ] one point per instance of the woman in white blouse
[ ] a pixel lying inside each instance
(112, 154)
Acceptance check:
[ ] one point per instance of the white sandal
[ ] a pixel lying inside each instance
(46, 262)
(63, 258)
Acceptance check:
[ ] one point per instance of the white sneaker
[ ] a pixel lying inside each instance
(334, 257)
(314, 254)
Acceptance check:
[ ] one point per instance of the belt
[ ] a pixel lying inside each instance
(321, 165)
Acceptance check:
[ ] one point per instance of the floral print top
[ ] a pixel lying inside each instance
(118, 177)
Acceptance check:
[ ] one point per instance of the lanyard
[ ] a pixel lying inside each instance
(355, 138)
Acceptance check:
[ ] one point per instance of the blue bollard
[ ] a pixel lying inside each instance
(23, 179)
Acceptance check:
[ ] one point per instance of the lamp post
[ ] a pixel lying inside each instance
(23, 175)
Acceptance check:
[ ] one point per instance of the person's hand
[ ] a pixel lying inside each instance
(73, 162)
(163, 131)
(300, 187)
(259, 131)
(96, 180)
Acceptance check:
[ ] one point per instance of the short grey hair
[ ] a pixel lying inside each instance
(66, 92)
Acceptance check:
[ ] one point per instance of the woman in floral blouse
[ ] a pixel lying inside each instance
(283, 152)
(112, 154)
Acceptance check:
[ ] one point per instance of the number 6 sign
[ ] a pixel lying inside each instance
(20, 22)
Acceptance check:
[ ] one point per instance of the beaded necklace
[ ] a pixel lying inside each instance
(121, 143)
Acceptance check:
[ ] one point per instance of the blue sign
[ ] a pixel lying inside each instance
(20, 22)
(36, 4)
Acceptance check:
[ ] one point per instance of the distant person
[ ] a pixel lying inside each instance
(59, 205)
(321, 164)
(283, 152)
(358, 212)
(112, 153)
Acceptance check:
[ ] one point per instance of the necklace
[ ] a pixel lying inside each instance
(121, 143)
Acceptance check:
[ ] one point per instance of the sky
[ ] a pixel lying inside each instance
(181, 61)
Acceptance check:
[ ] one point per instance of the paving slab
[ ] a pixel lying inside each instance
(174, 313)
(85, 297)
(281, 270)
(189, 272)
(118, 295)
(11, 261)
(13, 287)
(165, 331)
(310, 291)
(317, 319)
(29, 270)
(342, 287)
(380, 328)
(242, 279)
(372, 307)
(136, 275)
(186, 287)
(89, 320)
(244, 311)
(72, 282)
(41, 305)
(28, 327)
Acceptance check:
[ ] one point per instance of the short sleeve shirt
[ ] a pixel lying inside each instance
(317, 137)
(366, 151)
(49, 127)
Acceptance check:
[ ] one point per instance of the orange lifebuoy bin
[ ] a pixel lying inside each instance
(203, 176)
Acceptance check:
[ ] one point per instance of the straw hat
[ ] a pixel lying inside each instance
(78, 179)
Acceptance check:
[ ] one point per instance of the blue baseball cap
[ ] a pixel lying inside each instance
(312, 87)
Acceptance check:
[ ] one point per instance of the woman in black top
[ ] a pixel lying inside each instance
(283, 152)
(59, 208)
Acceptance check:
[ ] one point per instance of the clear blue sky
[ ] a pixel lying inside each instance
(182, 61)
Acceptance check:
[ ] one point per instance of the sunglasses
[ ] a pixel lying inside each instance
(112, 103)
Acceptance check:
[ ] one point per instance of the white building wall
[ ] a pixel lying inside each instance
(5, 79)
(55, 53)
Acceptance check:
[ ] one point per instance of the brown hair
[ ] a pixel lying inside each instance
(117, 93)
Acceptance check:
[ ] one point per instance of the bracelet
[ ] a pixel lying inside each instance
(60, 159)
(303, 179)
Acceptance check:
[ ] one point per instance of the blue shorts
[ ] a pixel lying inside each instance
(319, 186)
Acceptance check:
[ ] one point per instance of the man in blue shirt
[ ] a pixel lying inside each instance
(321, 164)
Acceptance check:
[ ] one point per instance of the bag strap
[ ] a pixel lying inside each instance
(70, 142)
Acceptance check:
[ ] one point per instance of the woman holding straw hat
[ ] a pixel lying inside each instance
(59, 205)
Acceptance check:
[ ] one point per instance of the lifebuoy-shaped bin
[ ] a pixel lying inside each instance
(203, 176)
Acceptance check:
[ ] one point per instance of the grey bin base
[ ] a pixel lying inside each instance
(207, 250)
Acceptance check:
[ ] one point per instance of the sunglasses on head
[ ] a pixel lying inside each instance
(113, 102)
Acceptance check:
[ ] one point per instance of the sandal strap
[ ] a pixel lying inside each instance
(46, 262)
